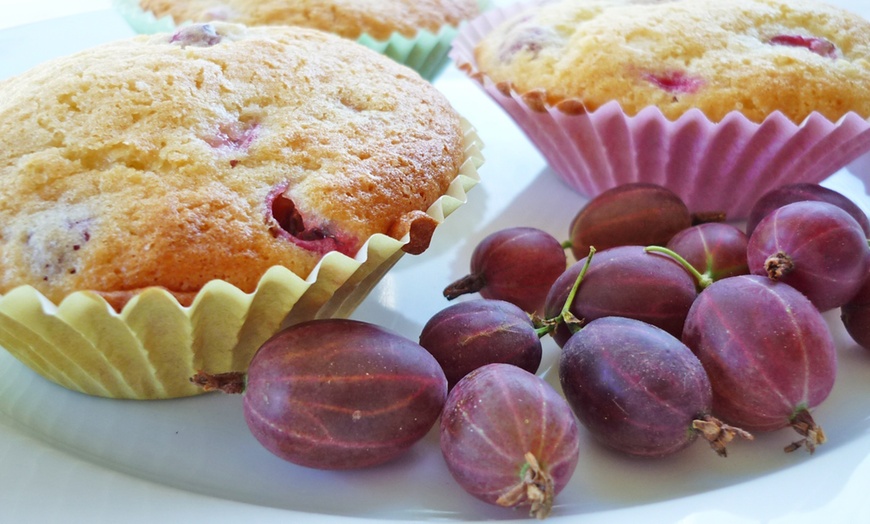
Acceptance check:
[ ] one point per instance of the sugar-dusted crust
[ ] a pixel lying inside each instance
(348, 18)
(172, 160)
(753, 56)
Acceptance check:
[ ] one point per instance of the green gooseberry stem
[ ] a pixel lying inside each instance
(702, 279)
(567, 305)
(549, 325)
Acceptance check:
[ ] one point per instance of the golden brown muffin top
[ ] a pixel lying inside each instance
(212, 153)
(348, 18)
(752, 56)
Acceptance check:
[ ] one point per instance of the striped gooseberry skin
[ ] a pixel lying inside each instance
(715, 249)
(635, 387)
(470, 334)
(341, 394)
(813, 246)
(494, 418)
(634, 214)
(515, 264)
(767, 350)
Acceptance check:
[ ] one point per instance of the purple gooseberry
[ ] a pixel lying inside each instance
(509, 438)
(715, 249)
(813, 246)
(855, 315)
(516, 264)
(635, 214)
(337, 393)
(768, 353)
(470, 334)
(639, 390)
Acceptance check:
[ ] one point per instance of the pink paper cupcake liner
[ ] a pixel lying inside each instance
(714, 166)
(860, 167)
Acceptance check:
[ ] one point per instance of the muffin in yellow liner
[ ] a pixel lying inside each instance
(414, 33)
(143, 341)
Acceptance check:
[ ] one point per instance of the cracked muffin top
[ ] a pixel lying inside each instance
(751, 56)
(215, 152)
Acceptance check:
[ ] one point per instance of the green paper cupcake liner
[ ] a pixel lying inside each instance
(426, 52)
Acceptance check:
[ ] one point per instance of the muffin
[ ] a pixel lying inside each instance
(192, 192)
(719, 100)
(415, 33)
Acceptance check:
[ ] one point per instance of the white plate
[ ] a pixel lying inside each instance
(66, 457)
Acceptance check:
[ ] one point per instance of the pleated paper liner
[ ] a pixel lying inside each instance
(154, 345)
(714, 166)
(860, 167)
(426, 52)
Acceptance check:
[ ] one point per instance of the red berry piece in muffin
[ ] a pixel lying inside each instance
(677, 82)
(199, 35)
(287, 221)
(817, 45)
(234, 136)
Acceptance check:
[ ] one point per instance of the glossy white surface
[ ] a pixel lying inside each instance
(65, 457)
(16, 12)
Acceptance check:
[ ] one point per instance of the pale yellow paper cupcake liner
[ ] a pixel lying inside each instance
(426, 52)
(154, 345)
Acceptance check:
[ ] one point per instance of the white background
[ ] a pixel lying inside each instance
(18, 12)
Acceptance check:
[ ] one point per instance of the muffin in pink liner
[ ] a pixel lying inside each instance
(169, 201)
(699, 96)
